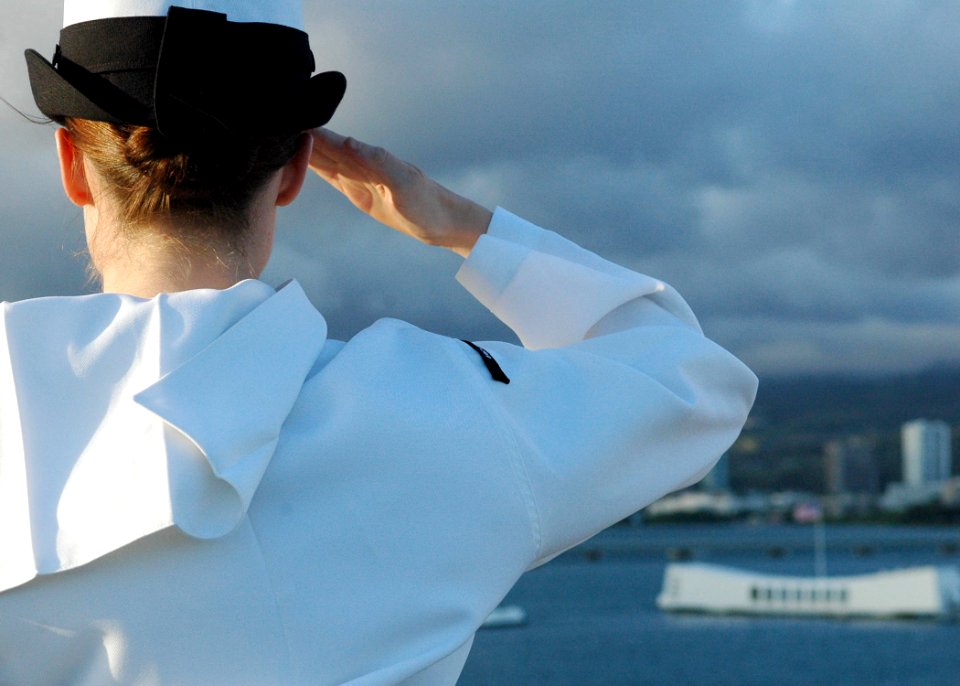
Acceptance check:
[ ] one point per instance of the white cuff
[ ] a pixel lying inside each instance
(550, 291)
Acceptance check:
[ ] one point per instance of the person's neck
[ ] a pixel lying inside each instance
(160, 264)
(147, 279)
(155, 261)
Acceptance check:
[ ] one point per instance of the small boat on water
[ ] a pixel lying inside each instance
(506, 615)
(930, 592)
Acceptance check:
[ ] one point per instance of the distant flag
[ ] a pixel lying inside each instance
(807, 512)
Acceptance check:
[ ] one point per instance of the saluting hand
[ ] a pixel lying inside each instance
(398, 194)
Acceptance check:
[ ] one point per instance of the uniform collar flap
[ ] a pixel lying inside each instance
(230, 402)
(187, 447)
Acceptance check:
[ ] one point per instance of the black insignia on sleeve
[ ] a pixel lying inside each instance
(496, 373)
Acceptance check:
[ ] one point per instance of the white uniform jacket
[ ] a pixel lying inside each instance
(202, 489)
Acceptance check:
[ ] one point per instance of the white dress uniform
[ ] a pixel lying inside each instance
(201, 488)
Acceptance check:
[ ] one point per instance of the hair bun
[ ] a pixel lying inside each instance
(153, 155)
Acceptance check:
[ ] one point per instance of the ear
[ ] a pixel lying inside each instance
(72, 172)
(294, 172)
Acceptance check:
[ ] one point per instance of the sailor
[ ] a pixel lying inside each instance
(198, 486)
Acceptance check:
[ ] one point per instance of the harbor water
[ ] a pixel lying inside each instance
(592, 617)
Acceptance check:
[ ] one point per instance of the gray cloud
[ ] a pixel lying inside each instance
(792, 167)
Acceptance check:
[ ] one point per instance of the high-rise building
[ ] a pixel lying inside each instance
(718, 478)
(925, 448)
(851, 466)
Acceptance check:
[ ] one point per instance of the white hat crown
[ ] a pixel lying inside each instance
(282, 12)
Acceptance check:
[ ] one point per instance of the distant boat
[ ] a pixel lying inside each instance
(505, 615)
(915, 592)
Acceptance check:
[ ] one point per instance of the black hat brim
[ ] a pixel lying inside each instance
(56, 97)
(322, 97)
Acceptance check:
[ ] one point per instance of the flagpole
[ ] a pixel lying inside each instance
(820, 547)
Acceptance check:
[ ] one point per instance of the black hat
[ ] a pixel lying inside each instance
(191, 73)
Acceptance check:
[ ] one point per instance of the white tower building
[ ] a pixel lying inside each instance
(925, 447)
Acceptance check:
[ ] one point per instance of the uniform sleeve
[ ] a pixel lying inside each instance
(616, 397)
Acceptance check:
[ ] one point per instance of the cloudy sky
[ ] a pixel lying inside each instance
(793, 167)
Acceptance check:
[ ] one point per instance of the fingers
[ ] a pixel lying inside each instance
(329, 152)
(332, 151)
(331, 147)
(326, 136)
(335, 144)
(336, 154)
